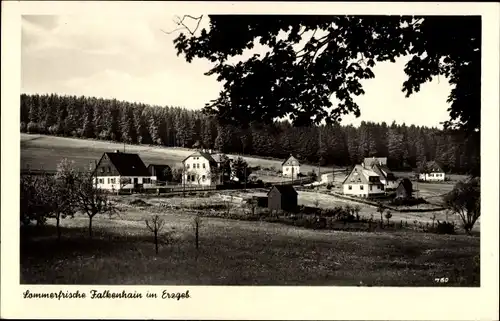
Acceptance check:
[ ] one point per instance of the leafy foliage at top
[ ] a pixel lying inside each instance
(298, 80)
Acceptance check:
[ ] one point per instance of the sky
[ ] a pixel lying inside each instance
(131, 58)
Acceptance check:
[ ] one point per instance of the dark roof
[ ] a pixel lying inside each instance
(289, 160)
(128, 164)
(407, 185)
(284, 189)
(383, 171)
(431, 167)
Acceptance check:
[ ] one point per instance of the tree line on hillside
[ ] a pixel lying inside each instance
(136, 123)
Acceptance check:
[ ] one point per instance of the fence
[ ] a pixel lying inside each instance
(37, 172)
(400, 210)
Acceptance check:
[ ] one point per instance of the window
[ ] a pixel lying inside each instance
(350, 187)
(102, 169)
(113, 180)
(192, 178)
(187, 166)
(371, 187)
(203, 177)
(361, 187)
(109, 180)
(203, 165)
(146, 180)
(286, 169)
(101, 180)
(109, 169)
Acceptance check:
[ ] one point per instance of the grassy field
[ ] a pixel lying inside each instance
(241, 253)
(45, 152)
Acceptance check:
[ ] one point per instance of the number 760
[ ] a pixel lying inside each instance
(441, 280)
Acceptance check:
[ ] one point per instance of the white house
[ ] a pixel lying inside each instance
(290, 167)
(362, 182)
(117, 170)
(379, 166)
(431, 171)
(203, 168)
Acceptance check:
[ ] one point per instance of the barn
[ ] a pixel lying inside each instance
(282, 198)
(404, 189)
(159, 173)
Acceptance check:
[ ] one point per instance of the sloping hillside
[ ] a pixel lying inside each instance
(45, 152)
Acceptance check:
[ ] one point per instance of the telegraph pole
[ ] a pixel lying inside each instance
(245, 174)
(319, 154)
(184, 180)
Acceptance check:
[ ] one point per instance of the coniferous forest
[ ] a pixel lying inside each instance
(109, 119)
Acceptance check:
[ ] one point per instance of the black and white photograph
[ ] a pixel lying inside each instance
(252, 149)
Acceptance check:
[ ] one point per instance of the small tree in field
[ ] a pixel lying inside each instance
(91, 200)
(465, 200)
(196, 226)
(36, 199)
(356, 209)
(155, 225)
(388, 216)
(64, 193)
(381, 210)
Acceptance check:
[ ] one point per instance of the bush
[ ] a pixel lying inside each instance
(445, 228)
(312, 174)
(33, 128)
(139, 202)
(24, 127)
(54, 129)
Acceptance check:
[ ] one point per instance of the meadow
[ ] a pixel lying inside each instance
(242, 253)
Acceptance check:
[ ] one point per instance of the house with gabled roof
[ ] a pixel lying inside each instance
(204, 168)
(290, 167)
(116, 171)
(379, 166)
(363, 182)
(431, 171)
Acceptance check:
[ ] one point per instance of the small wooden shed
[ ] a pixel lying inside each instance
(404, 189)
(282, 198)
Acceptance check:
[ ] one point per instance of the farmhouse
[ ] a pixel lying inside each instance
(282, 198)
(290, 167)
(159, 173)
(379, 166)
(431, 171)
(116, 171)
(404, 189)
(203, 168)
(362, 182)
